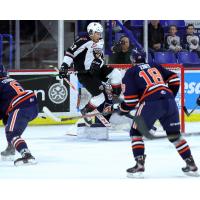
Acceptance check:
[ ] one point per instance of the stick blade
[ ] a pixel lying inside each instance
(50, 114)
(186, 111)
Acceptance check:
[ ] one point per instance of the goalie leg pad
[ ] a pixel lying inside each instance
(95, 131)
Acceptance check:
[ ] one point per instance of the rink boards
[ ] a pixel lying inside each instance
(62, 100)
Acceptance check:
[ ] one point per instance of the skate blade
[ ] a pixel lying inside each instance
(135, 175)
(21, 163)
(193, 174)
(8, 158)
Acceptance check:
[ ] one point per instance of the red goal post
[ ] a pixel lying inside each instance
(180, 99)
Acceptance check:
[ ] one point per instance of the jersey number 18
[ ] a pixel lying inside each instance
(152, 76)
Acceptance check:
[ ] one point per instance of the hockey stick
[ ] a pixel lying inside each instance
(50, 114)
(137, 119)
(37, 78)
(68, 82)
(142, 128)
(189, 113)
(57, 119)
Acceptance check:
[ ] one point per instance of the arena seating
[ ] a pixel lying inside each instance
(178, 23)
(164, 57)
(188, 57)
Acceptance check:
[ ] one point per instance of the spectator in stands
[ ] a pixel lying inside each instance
(121, 51)
(173, 41)
(155, 36)
(191, 40)
(115, 27)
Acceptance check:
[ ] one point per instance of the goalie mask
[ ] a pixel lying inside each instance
(94, 27)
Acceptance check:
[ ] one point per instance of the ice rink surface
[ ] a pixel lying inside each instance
(61, 156)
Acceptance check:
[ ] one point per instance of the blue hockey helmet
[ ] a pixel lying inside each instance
(3, 71)
(138, 56)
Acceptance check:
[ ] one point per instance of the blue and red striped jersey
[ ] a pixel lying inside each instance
(13, 95)
(144, 82)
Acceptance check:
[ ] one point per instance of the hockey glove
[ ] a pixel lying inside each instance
(63, 72)
(198, 101)
(95, 67)
(121, 111)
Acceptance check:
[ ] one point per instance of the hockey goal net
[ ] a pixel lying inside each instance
(177, 68)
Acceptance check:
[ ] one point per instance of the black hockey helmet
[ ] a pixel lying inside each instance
(138, 56)
(3, 71)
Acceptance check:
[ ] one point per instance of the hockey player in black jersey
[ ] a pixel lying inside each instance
(17, 108)
(86, 54)
(154, 88)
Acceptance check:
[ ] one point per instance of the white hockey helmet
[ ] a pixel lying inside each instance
(94, 27)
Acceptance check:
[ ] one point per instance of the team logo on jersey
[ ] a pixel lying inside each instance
(58, 93)
(94, 45)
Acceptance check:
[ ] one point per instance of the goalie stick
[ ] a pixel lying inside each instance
(97, 114)
(138, 120)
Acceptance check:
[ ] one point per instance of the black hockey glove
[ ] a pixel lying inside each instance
(95, 67)
(63, 72)
(198, 101)
(121, 111)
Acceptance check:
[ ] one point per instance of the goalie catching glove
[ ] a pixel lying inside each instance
(63, 72)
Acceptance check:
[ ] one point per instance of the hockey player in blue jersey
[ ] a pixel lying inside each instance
(17, 108)
(154, 88)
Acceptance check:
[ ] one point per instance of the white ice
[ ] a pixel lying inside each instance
(67, 157)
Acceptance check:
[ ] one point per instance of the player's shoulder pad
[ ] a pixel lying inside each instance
(82, 39)
(156, 65)
(7, 80)
(131, 70)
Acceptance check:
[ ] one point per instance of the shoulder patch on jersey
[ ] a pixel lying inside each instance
(7, 80)
(82, 39)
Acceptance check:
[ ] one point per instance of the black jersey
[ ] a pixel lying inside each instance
(81, 53)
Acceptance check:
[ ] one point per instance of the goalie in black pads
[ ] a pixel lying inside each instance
(154, 88)
(87, 56)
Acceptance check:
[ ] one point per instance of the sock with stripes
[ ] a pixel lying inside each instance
(137, 146)
(20, 145)
(182, 148)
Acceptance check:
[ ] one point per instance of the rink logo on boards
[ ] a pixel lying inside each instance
(58, 93)
(192, 87)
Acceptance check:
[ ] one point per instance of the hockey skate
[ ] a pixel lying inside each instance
(88, 120)
(191, 168)
(27, 159)
(8, 154)
(138, 169)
